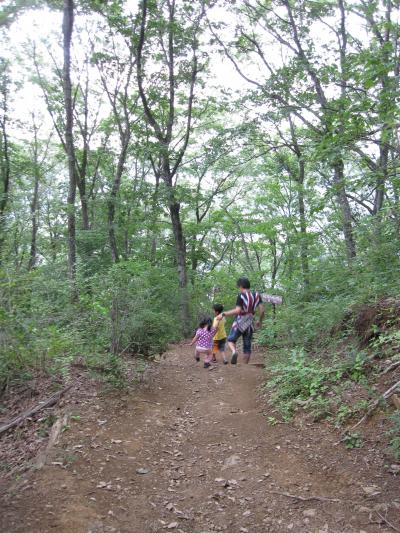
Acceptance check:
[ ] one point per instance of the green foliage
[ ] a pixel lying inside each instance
(352, 440)
(342, 415)
(301, 379)
(42, 330)
(297, 378)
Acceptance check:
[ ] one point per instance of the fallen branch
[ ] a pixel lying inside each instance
(53, 438)
(391, 367)
(305, 499)
(386, 521)
(147, 401)
(387, 394)
(384, 396)
(29, 412)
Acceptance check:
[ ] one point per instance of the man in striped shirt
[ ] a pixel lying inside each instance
(247, 303)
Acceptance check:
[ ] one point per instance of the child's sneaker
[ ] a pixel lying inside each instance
(214, 359)
(207, 365)
(197, 358)
(225, 361)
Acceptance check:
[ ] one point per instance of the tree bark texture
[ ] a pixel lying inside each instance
(303, 225)
(68, 23)
(5, 163)
(35, 201)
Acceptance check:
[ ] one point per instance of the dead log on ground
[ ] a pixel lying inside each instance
(33, 410)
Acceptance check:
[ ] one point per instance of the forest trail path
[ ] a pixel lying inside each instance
(210, 460)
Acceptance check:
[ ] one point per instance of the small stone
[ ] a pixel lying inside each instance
(172, 525)
(142, 471)
(310, 513)
(247, 513)
(232, 460)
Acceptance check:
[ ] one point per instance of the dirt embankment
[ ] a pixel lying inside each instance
(193, 452)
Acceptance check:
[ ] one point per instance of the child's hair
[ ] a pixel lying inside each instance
(206, 321)
(218, 308)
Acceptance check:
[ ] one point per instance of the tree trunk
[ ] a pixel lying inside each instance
(34, 203)
(338, 177)
(153, 250)
(382, 173)
(113, 200)
(68, 22)
(5, 164)
(84, 203)
(180, 247)
(303, 225)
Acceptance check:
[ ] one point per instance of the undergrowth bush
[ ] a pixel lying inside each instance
(132, 306)
(299, 378)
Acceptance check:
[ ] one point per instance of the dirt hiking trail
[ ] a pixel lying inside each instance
(191, 450)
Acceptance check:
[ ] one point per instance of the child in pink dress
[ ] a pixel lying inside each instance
(204, 341)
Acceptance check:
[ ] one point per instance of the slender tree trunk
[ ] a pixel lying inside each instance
(113, 200)
(338, 177)
(34, 203)
(68, 22)
(300, 178)
(81, 176)
(382, 175)
(180, 248)
(5, 165)
(81, 184)
(303, 225)
(153, 250)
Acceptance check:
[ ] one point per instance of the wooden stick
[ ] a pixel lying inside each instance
(384, 396)
(387, 522)
(53, 438)
(391, 367)
(304, 499)
(147, 401)
(29, 412)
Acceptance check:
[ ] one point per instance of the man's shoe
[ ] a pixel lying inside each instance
(207, 365)
(234, 358)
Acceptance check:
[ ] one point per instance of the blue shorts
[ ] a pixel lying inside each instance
(235, 333)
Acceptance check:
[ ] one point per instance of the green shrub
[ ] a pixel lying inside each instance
(299, 378)
(132, 306)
